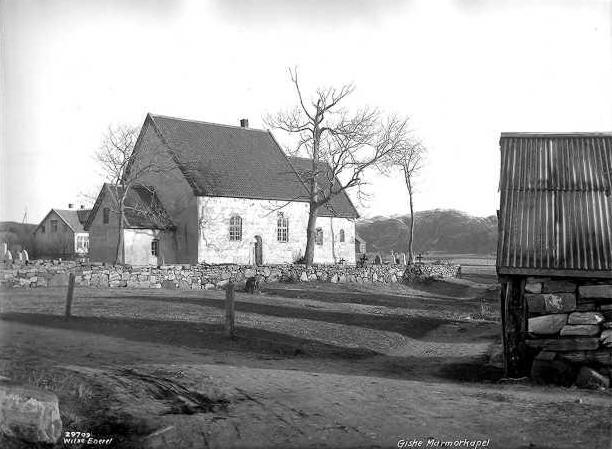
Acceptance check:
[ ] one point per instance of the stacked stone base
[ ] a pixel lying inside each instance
(42, 273)
(569, 332)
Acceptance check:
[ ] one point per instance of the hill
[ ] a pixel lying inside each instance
(449, 231)
(17, 235)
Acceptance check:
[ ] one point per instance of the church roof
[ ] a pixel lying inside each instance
(340, 204)
(229, 161)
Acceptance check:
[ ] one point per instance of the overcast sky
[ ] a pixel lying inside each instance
(463, 70)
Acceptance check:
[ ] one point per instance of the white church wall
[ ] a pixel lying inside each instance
(259, 217)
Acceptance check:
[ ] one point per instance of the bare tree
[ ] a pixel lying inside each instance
(408, 158)
(124, 169)
(342, 145)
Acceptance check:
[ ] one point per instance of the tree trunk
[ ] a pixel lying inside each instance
(310, 234)
(333, 239)
(119, 253)
(411, 233)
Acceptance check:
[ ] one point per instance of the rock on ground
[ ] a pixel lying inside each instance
(589, 378)
(558, 372)
(29, 414)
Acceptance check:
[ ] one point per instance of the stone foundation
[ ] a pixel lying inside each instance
(569, 331)
(55, 273)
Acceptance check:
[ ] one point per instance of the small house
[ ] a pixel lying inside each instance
(62, 234)
(554, 255)
(146, 235)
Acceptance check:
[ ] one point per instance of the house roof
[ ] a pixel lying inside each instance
(74, 218)
(339, 205)
(142, 207)
(229, 161)
(556, 205)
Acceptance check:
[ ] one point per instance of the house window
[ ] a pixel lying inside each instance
(282, 228)
(319, 236)
(53, 225)
(235, 228)
(82, 244)
(155, 247)
(65, 228)
(42, 229)
(106, 215)
(341, 235)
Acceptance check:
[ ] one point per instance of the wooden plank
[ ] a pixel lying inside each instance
(564, 344)
(510, 271)
(69, 295)
(516, 363)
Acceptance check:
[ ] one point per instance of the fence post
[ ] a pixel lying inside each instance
(229, 310)
(69, 294)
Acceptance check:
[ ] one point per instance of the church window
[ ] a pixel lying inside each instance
(235, 228)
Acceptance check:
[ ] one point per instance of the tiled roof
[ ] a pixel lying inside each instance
(73, 218)
(340, 204)
(142, 207)
(556, 204)
(229, 161)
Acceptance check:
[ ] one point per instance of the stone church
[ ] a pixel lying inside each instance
(226, 194)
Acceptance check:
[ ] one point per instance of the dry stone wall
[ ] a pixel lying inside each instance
(570, 331)
(196, 277)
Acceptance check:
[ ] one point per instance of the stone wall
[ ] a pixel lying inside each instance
(194, 277)
(570, 331)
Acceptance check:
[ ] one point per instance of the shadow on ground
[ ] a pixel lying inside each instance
(412, 327)
(263, 344)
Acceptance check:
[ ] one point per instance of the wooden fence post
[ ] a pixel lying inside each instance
(229, 310)
(69, 294)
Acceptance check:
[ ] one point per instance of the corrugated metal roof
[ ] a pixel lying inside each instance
(556, 205)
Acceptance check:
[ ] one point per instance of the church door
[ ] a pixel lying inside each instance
(258, 251)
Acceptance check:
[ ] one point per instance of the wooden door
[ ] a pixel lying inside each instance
(258, 251)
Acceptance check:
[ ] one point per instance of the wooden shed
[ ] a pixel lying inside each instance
(554, 255)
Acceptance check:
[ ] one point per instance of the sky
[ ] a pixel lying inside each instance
(462, 70)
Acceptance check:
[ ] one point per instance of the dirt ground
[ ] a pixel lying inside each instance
(312, 365)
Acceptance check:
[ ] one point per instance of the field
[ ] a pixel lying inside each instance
(312, 365)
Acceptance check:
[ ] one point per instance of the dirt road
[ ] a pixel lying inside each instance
(315, 366)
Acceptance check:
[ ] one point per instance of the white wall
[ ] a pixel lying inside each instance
(331, 233)
(137, 246)
(259, 217)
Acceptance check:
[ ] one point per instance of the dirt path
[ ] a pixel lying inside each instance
(315, 367)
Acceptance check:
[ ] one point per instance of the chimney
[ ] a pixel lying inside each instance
(244, 122)
(70, 205)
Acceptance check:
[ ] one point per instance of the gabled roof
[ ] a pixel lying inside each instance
(142, 207)
(339, 205)
(228, 161)
(556, 204)
(73, 218)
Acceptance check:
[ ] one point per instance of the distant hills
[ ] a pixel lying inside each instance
(17, 235)
(443, 230)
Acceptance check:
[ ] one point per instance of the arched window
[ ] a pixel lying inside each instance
(235, 228)
(341, 235)
(282, 228)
